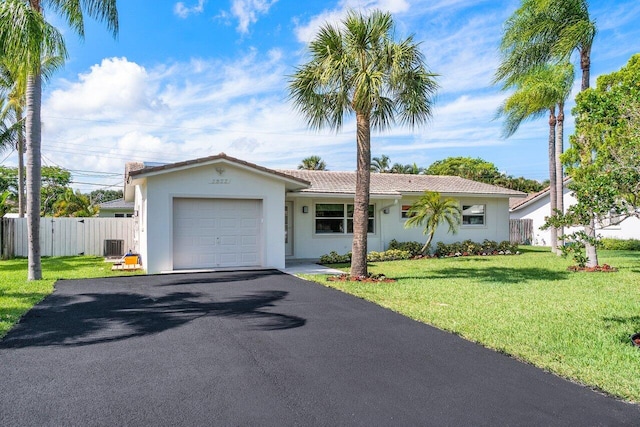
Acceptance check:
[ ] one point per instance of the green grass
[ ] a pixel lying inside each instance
(576, 325)
(17, 295)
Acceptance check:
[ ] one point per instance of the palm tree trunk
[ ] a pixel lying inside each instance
(559, 172)
(21, 198)
(585, 65)
(552, 177)
(426, 245)
(590, 230)
(361, 200)
(33, 131)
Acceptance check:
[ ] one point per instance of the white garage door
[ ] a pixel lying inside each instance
(216, 233)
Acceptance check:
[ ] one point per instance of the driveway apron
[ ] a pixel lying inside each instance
(263, 348)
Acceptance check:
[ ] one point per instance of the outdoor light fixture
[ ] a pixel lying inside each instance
(385, 211)
(305, 209)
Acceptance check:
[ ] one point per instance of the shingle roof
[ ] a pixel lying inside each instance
(395, 184)
(116, 204)
(516, 204)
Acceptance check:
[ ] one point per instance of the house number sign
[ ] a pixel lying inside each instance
(220, 181)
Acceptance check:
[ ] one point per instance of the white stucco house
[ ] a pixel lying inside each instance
(222, 212)
(536, 207)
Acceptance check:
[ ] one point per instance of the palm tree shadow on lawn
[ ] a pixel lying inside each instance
(504, 275)
(93, 318)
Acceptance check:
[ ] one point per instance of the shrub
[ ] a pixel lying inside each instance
(468, 247)
(412, 247)
(620, 244)
(390, 255)
(334, 258)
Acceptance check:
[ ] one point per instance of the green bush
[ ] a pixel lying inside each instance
(412, 247)
(333, 258)
(390, 255)
(620, 244)
(468, 247)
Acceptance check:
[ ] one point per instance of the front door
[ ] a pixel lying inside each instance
(288, 228)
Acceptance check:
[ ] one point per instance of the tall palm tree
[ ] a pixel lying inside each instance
(13, 85)
(313, 163)
(544, 31)
(544, 89)
(25, 38)
(357, 68)
(432, 210)
(380, 164)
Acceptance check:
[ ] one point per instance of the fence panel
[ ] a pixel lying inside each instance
(70, 236)
(521, 231)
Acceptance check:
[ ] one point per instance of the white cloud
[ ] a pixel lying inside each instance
(247, 12)
(183, 11)
(305, 32)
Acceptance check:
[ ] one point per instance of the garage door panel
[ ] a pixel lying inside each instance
(216, 233)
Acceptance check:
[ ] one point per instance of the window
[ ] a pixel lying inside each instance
(338, 218)
(404, 212)
(122, 215)
(472, 214)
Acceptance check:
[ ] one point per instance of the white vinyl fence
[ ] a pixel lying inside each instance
(69, 236)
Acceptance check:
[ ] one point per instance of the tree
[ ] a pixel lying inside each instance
(25, 38)
(482, 171)
(432, 210)
(102, 196)
(55, 181)
(544, 32)
(70, 204)
(12, 120)
(357, 68)
(543, 89)
(313, 163)
(466, 167)
(603, 158)
(380, 164)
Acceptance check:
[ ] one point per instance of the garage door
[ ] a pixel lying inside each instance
(216, 233)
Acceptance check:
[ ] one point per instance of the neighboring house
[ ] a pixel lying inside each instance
(116, 209)
(536, 207)
(220, 211)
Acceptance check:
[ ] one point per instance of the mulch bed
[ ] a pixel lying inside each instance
(372, 278)
(604, 268)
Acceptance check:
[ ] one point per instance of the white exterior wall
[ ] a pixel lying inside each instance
(196, 182)
(539, 210)
(390, 226)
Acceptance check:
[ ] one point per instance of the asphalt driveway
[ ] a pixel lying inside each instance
(263, 348)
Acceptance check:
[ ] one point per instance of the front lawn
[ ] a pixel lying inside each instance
(576, 325)
(17, 295)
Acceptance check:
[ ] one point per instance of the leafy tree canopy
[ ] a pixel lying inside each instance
(603, 158)
(102, 195)
(54, 182)
(482, 171)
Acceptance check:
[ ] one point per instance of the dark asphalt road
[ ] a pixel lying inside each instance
(263, 348)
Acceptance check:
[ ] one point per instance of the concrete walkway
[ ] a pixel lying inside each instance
(307, 266)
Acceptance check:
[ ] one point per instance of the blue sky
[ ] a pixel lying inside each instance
(199, 77)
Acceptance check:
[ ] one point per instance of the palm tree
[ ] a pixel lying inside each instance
(542, 90)
(549, 31)
(357, 68)
(380, 164)
(432, 210)
(25, 38)
(399, 168)
(71, 204)
(12, 113)
(313, 163)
